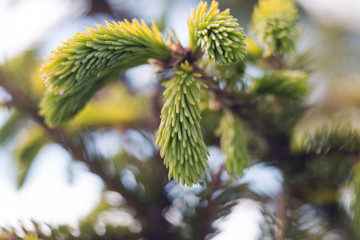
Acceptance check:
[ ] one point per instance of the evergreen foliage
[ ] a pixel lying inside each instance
(252, 108)
(355, 184)
(233, 144)
(274, 22)
(31, 143)
(284, 83)
(217, 33)
(10, 126)
(87, 61)
(321, 135)
(179, 135)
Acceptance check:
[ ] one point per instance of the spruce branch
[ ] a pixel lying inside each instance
(30, 144)
(274, 22)
(179, 135)
(87, 61)
(217, 33)
(321, 135)
(11, 126)
(233, 144)
(23, 104)
(284, 83)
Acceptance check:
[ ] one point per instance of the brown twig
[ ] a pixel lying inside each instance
(208, 212)
(280, 215)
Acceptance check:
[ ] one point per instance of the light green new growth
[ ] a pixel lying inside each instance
(85, 62)
(233, 144)
(179, 135)
(217, 33)
(274, 21)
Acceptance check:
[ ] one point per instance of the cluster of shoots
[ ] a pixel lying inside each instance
(89, 60)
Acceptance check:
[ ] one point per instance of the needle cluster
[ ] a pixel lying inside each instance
(179, 135)
(274, 22)
(217, 33)
(83, 64)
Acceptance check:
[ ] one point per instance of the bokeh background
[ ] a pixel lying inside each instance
(49, 186)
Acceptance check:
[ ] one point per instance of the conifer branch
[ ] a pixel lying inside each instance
(233, 144)
(274, 21)
(58, 135)
(324, 135)
(217, 33)
(179, 135)
(285, 83)
(87, 61)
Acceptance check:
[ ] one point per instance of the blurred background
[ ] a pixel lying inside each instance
(78, 174)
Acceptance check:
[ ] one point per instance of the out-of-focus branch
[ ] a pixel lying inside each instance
(241, 105)
(206, 217)
(21, 101)
(150, 215)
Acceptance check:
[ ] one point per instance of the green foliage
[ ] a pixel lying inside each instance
(253, 51)
(58, 108)
(23, 71)
(233, 144)
(179, 134)
(214, 203)
(25, 154)
(11, 126)
(86, 230)
(274, 22)
(229, 75)
(284, 83)
(355, 184)
(252, 115)
(87, 61)
(321, 135)
(299, 227)
(217, 33)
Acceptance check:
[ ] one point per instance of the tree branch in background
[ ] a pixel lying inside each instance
(280, 215)
(149, 214)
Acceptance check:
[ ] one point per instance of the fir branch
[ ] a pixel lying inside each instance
(208, 213)
(179, 135)
(320, 136)
(274, 21)
(9, 129)
(30, 145)
(217, 33)
(57, 108)
(284, 83)
(73, 146)
(233, 144)
(87, 61)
